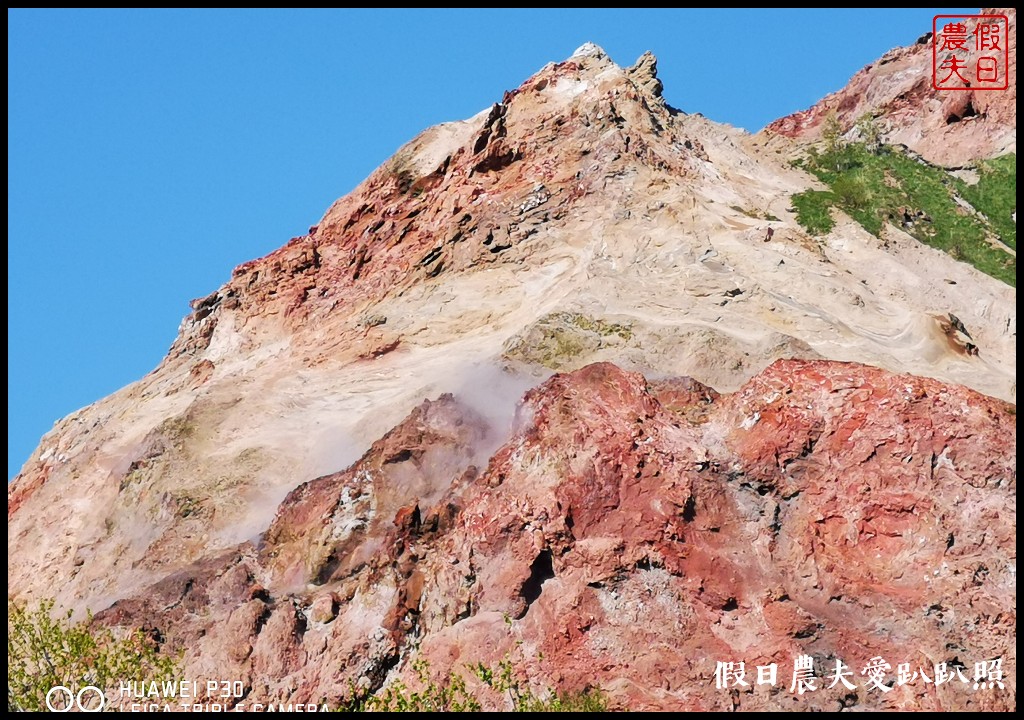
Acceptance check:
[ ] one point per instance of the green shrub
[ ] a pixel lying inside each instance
(452, 694)
(812, 211)
(503, 680)
(851, 191)
(870, 134)
(43, 653)
(448, 695)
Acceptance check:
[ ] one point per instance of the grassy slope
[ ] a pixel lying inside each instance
(875, 188)
(995, 196)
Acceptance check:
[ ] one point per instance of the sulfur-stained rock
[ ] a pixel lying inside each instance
(825, 509)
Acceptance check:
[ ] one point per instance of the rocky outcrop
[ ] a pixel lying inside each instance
(631, 536)
(949, 128)
(645, 74)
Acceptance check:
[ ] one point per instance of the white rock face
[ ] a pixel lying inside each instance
(589, 49)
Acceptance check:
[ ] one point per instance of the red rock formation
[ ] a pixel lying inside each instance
(631, 536)
(950, 128)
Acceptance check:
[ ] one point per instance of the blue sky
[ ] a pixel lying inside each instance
(151, 152)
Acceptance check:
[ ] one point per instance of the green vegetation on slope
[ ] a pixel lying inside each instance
(995, 195)
(44, 653)
(453, 694)
(887, 185)
(812, 210)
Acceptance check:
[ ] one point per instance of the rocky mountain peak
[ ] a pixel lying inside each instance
(589, 50)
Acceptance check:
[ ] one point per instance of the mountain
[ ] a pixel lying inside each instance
(803, 445)
(946, 128)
